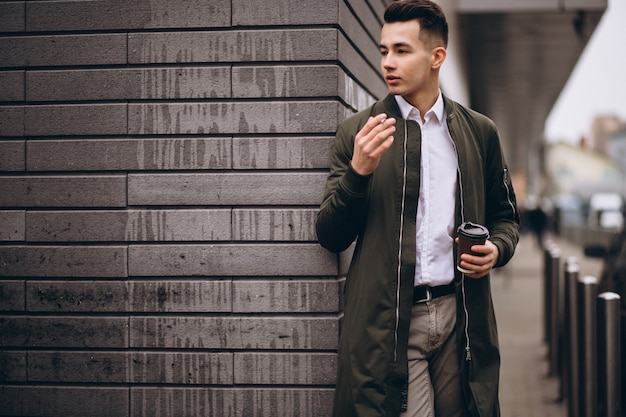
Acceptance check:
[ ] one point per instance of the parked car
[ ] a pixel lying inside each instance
(606, 211)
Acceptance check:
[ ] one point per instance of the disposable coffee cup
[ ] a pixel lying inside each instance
(470, 234)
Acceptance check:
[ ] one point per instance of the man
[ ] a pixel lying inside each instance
(418, 337)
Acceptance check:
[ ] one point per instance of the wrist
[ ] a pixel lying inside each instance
(359, 170)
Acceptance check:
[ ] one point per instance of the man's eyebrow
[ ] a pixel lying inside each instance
(395, 45)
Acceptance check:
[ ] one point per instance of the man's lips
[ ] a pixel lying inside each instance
(392, 79)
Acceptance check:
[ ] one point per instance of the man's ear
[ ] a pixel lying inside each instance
(439, 56)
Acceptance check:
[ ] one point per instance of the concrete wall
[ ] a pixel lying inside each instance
(161, 164)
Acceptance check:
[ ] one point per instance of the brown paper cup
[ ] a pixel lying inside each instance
(470, 234)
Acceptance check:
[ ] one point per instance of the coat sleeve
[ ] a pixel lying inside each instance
(501, 205)
(344, 206)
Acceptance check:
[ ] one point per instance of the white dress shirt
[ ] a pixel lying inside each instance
(434, 263)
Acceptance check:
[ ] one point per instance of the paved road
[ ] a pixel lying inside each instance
(525, 388)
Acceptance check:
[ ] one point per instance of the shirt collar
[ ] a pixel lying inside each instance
(438, 109)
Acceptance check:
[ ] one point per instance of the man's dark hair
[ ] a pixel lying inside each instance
(430, 16)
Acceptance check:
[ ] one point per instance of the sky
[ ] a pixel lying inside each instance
(597, 85)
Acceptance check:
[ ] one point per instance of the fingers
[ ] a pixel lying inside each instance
(371, 142)
(377, 132)
(475, 265)
(483, 262)
(377, 129)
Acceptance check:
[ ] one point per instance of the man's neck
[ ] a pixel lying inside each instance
(423, 102)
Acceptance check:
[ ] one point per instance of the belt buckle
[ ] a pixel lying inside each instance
(429, 296)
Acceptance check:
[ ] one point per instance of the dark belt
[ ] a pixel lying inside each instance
(423, 293)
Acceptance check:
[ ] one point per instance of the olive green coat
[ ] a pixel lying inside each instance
(379, 211)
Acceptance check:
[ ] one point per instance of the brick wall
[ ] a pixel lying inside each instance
(161, 164)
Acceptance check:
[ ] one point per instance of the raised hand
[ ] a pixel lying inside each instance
(371, 142)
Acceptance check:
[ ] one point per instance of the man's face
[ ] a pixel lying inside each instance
(407, 63)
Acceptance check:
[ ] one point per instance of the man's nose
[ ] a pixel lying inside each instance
(388, 61)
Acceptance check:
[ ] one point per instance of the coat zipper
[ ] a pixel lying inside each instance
(399, 271)
(505, 176)
(468, 353)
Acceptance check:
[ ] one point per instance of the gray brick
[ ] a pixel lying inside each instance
(234, 333)
(205, 368)
(12, 155)
(377, 7)
(128, 84)
(63, 191)
(129, 154)
(12, 225)
(183, 331)
(360, 69)
(12, 367)
(362, 28)
(354, 94)
(128, 225)
(11, 117)
(284, 12)
(292, 296)
(79, 367)
(181, 47)
(226, 189)
(63, 261)
(243, 46)
(63, 50)
(231, 402)
(64, 332)
(11, 82)
(185, 402)
(345, 113)
(318, 333)
(361, 24)
(231, 260)
(64, 401)
(233, 118)
(12, 16)
(285, 368)
(201, 296)
(115, 14)
(12, 296)
(286, 81)
(282, 153)
(13, 52)
(77, 296)
(307, 402)
(274, 225)
(75, 119)
(195, 13)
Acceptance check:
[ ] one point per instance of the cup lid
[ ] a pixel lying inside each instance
(473, 230)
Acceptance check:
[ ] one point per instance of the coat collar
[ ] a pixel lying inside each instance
(389, 105)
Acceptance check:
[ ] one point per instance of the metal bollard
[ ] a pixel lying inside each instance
(609, 355)
(571, 372)
(547, 290)
(555, 314)
(560, 363)
(587, 346)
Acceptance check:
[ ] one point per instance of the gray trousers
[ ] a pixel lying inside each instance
(434, 381)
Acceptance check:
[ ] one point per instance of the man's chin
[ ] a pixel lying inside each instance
(395, 90)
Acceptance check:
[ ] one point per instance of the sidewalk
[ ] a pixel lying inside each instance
(525, 388)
